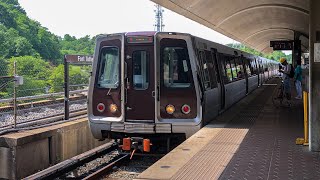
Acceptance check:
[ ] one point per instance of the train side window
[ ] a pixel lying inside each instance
(176, 67)
(257, 70)
(233, 70)
(228, 69)
(248, 66)
(253, 66)
(140, 61)
(211, 69)
(204, 69)
(108, 76)
(225, 69)
(239, 67)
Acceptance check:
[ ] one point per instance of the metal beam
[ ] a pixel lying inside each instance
(284, 6)
(269, 29)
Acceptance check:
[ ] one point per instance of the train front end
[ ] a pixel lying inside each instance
(144, 85)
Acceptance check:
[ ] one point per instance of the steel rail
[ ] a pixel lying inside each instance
(70, 164)
(42, 122)
(41, 96)
(97, 174)
(47, 119)
(40, 104)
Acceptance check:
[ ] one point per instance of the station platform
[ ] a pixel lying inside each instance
(252, 140)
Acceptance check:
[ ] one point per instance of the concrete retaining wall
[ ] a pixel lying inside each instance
(25, 153)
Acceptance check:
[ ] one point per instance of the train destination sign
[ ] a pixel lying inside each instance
(281, 45)
(78, 58)
(140, 39)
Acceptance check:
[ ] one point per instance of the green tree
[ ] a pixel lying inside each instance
(27, 34)
(3, 72)
(72, 45)
(29, 66)
(275, 55)
(77, 75)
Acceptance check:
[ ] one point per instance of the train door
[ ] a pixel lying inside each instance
(140, 92)
(243, 62)
(176, 91)
(211, 95)
(256, 67)
(219, 78)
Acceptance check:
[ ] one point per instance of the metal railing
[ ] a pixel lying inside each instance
(41, 95)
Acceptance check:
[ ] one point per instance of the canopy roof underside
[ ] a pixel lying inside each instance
(252, 22)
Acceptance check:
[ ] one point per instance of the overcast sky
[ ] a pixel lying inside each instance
(92, 17)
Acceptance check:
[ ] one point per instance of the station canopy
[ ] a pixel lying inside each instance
(252, 22)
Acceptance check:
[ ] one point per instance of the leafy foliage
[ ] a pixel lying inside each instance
(30, 66)
(275, 55)
(78, 75)
(72, 45)
(37, 53)
(35, 74)
(23, 36)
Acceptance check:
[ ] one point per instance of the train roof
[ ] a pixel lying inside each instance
(220, 47)
(141, 33)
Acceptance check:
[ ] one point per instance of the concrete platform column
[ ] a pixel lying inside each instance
(314, 78)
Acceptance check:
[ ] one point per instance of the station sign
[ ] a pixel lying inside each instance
(281, 45)
(78, 58)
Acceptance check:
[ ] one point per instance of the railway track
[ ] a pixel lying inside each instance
(42, 112)
(80, 113)
(70, 169)
(40, 103)
(103, 162)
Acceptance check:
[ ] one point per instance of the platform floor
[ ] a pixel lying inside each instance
(252, 140)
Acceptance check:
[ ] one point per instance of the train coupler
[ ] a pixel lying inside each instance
(136, 143)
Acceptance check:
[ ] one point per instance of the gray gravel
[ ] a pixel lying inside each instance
(26, 115)
(92, 165)
(131, 170)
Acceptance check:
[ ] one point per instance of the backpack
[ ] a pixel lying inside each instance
(291, 75)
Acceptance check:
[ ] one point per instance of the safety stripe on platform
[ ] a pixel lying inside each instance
(211, 160)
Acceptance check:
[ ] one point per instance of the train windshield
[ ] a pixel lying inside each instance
(176, 67)
(109, 68)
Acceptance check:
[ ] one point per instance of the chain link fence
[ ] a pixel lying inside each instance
(6, 94)
(39, 96)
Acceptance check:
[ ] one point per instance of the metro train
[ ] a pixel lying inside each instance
(158, 84)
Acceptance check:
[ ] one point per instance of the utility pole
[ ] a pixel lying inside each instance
(159, 18)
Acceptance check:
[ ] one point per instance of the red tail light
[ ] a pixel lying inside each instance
(186, 109)
(101, 107)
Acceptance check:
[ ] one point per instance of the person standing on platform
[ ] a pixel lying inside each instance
(298, 80)
(286, 77)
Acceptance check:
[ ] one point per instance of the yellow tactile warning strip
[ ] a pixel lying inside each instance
(172, 162)
(211, 160)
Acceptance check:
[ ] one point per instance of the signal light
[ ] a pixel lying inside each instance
(101, 107)
(170, 109)
(113, 108)
(185, 109)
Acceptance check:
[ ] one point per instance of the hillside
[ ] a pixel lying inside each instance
(37, 53)
(22, 36)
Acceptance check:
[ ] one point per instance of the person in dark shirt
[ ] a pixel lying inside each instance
(297, 81)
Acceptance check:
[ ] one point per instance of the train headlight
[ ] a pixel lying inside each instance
(113, 108)
(185, 109)
(170, 109)
(101, 107)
